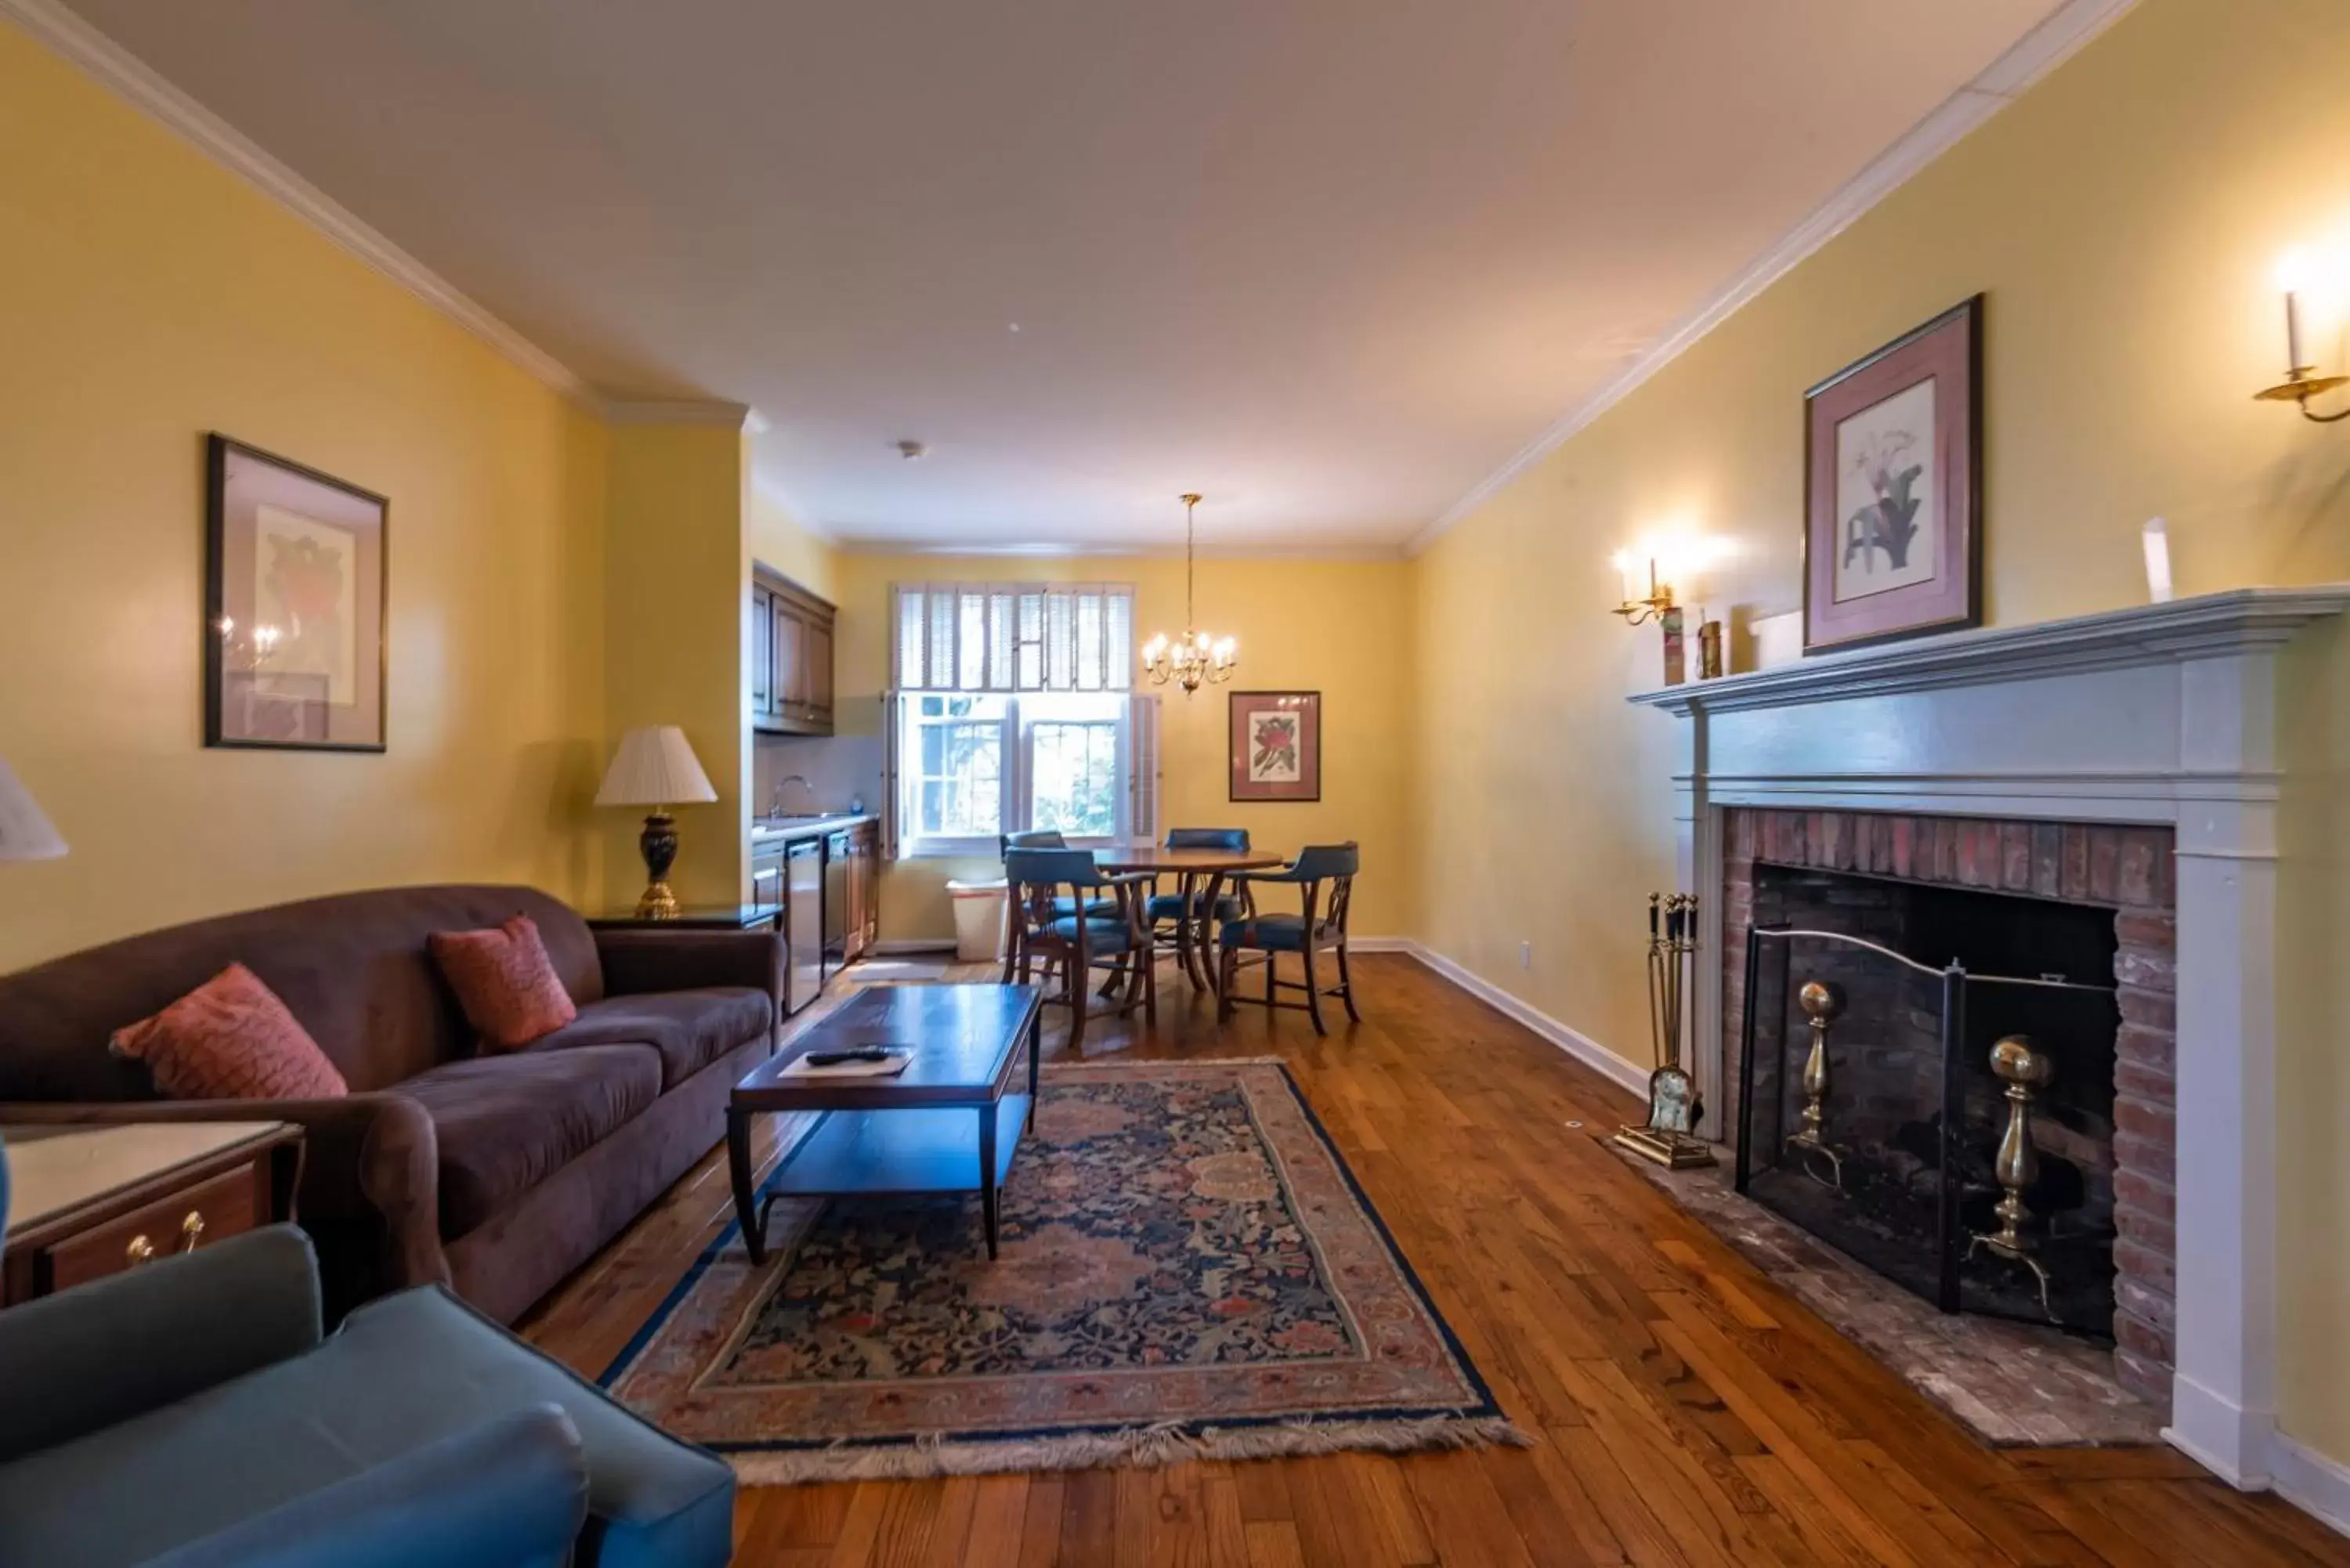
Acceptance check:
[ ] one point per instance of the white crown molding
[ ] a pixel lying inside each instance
(2056, 40)
(2204, 625)
(132, 80)
(709, 412)
(866, 545)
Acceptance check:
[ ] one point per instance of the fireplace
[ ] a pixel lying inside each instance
(1884, 1140)
(2001, 902)
(2138, 760)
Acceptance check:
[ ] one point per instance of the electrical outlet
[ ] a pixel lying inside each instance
(1525, 955)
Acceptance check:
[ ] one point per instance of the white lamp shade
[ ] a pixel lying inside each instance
(24, 833)
(654, 766)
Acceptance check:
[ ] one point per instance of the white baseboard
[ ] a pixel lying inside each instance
(1574, 1042)
(2318, 1486)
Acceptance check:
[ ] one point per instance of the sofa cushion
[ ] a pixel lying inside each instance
(505, 981)
(230, 1039)
(400, 1374)
(505, 1124)
(691, 1029)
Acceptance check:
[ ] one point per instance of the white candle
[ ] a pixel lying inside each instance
(2158, 561)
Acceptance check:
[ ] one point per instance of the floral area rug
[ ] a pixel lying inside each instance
(1188, 1271)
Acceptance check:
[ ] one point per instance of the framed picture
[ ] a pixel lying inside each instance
(1276, 745)
(1893, 490)
(294, 606)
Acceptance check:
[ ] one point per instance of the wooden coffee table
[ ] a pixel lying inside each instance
(946, 1124)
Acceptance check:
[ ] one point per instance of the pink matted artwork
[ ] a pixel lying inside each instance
(1276, 745)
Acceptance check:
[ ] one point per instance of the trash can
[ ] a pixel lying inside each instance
(979, 920)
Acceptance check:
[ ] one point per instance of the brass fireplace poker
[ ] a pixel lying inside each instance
(1669, 1137)
(2026, 1072)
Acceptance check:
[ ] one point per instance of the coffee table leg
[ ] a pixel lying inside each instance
(738, 1164)
(987, 1174)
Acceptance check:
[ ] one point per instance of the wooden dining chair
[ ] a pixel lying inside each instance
(1031, 838)
(1320, 927)
(1177, 930)
(1046, 929)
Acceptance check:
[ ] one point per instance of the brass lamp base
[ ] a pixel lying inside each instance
(658, 844)
(1674, 1151)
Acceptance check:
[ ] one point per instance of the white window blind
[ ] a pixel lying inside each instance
(1013, 636)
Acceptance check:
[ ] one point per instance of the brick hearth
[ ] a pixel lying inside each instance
(2129, 869)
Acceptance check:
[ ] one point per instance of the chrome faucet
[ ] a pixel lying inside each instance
(775, 795)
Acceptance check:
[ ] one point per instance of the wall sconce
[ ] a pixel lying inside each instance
(1639, 606)
(2301, 383)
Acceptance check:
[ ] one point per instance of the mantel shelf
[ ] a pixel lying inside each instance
(2202, 627)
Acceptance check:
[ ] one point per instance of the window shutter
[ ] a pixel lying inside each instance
(1014, 637)
(1142, 767)
(893, 805)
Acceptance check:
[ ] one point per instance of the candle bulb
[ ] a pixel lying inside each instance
(2292, 276)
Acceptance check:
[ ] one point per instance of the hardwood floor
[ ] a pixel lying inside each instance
(1688, 1411)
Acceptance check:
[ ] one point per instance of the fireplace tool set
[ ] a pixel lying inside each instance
(1669, 1137)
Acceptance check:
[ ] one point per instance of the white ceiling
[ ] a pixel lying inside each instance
(1332, 261)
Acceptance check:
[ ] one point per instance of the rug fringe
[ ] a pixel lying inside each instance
(1135, 1446)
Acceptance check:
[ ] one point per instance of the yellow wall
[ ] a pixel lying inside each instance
(780, 540)
(151, 296)
(1340, 627)
(676, 638)
(2124, 218)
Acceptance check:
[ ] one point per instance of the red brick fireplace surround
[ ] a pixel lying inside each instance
(2128, 868)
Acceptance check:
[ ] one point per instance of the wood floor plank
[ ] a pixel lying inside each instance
(1692, 1414)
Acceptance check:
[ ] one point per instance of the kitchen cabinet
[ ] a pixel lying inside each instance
(852, 894)
(791, 656)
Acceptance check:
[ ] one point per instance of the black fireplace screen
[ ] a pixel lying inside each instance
(1951, 1131)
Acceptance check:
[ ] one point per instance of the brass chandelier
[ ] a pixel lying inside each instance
(1194, 658)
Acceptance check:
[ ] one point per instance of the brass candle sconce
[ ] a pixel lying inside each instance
(2301, 382)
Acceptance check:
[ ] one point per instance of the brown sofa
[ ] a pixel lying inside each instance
(496, 1174)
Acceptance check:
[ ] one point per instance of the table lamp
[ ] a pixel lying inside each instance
(656, 767)
(24, 833)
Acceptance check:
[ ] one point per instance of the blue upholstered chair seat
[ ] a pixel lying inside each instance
(401, 1376)
(1104, 934)
(1170, 906)
(1284, 933)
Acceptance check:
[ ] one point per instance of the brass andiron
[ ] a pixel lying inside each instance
(1668, 1136)
(2026, 1072)
(1823, 1003)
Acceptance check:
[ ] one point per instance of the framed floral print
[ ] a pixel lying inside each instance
(1276, 745)
(294, 606)
(1893, 490)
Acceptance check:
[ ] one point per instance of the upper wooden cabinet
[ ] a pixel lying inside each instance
(791, 656)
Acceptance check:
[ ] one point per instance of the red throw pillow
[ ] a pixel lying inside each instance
(231, 1039)
(506, 982)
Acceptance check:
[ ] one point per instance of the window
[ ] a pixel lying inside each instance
(1012, 711)
(977, 767)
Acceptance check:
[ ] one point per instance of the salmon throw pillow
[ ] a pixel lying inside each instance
(231, 1039)
(506, 982)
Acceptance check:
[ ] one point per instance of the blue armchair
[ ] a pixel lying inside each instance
(191, 1414)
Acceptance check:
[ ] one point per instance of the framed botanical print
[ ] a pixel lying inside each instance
(1893, 489)
(1276, 745)
(294, 606)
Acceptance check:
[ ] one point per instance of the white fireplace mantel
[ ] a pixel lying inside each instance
(2162, 715)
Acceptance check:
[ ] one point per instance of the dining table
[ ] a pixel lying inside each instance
(1200, 876)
